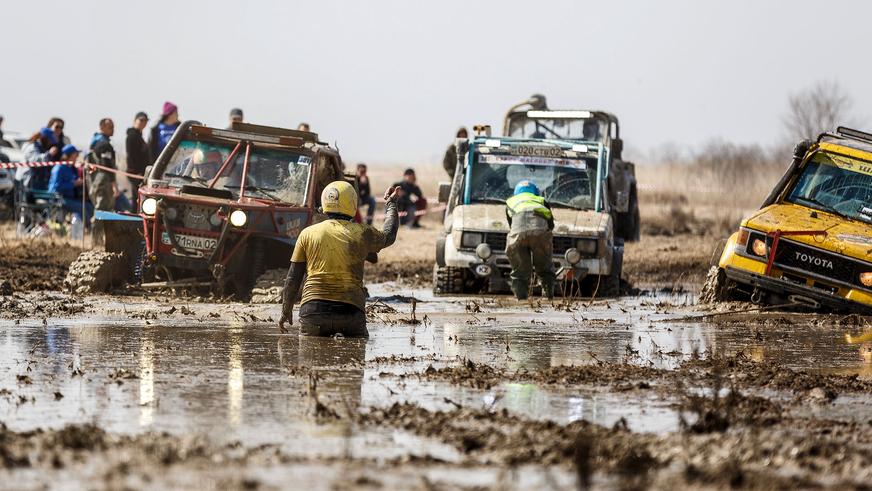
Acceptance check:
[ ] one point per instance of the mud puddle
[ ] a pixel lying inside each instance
(135, 367)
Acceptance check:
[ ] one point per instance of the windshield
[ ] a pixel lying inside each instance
(564, 182)
(837, 184)
(558, 128)
(279, 175)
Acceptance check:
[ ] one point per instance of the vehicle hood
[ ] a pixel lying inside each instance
(848, 237)
(492, 217)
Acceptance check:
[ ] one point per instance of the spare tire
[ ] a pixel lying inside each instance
(97, 272)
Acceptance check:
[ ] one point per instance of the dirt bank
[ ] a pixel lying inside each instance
(36, 265)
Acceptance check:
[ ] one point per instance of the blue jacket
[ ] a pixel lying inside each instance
(63, 178)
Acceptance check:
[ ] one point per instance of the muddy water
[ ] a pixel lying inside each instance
(245, 381)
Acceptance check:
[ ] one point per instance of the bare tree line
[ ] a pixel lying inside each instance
(819, 108)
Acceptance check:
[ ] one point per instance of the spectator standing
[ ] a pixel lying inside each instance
(57, 124)
(365, 193)
(236, 116)
(164, 129)
(449, 162)
(138, 154)
(102, 188)
(410, 199)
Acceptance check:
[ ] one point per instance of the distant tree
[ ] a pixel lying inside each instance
(819, 108)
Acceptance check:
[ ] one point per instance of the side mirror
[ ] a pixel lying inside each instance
(444, 191)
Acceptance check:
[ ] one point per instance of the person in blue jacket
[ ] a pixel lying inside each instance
(66, 182)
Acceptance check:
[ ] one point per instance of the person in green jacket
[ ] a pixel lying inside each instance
(529, 243)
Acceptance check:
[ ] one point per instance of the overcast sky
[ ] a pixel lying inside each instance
(390, 81)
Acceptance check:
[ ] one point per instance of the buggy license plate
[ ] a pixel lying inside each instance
(191, 241)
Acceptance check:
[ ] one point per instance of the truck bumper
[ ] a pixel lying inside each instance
(854, 302)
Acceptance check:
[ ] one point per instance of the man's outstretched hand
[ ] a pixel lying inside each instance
(286, 317)
(391, 193)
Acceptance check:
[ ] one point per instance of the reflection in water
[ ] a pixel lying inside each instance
(235, 377)
(338, 365)
(146, 379)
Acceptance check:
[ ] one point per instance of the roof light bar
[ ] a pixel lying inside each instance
(852, 133)
(560, 114)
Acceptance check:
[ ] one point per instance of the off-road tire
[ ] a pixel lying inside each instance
(447, 280)
(610, 286)
(628, 225)
(717, 287)
(268, 286)
(97, 272)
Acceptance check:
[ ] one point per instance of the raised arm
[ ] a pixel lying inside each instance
(392, 219)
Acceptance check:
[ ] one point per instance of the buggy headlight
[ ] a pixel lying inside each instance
(483, 251)
(586, 246)
(759, 248)
(471, 239)
(866, 278)
(238, 218)
(149, 206)
(572, 256)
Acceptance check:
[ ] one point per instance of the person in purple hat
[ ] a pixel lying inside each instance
(164, 129)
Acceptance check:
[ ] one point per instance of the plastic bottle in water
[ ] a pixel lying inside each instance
(76, 227)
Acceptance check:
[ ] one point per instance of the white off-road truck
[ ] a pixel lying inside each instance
(573, 176)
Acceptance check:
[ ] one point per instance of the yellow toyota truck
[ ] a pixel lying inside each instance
(810, 244)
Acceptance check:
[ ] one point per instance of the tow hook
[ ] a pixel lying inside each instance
(757, 296)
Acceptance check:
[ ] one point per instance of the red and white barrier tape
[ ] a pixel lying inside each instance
(418, 213)
(15, 165)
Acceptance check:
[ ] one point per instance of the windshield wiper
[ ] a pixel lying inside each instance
(188, 178)
(822, 206)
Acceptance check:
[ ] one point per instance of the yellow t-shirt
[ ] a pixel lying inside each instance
(334, 252)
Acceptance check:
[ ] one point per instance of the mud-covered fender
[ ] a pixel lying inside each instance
(728, 251)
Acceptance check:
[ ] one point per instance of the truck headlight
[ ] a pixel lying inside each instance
(483, 251)
(572, 256)
(866, 278)
(471, 240)
(149, 206)
(586, 246)
(759, 248)
(238, 218)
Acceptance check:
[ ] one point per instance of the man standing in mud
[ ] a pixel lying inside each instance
(101, 183)
(331, 255)
(529, 243)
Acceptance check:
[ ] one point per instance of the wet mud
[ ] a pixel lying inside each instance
(483, 392)
(35, 265)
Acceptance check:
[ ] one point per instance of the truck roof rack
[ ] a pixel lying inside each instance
(274, 131)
